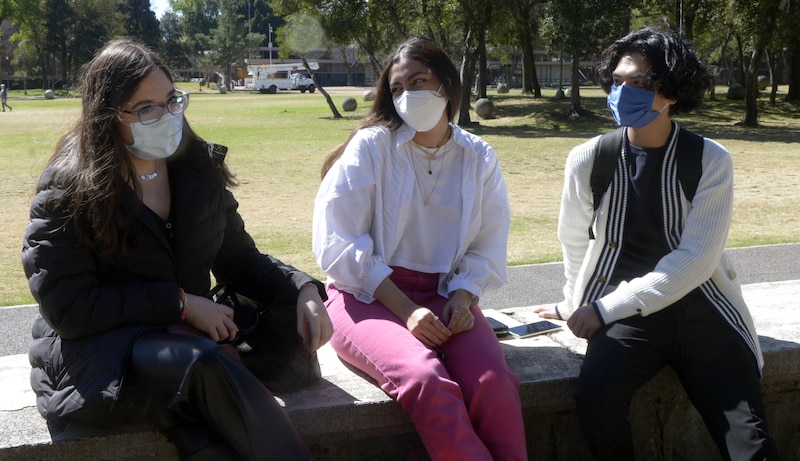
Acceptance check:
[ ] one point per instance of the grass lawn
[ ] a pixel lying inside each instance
(277, 144)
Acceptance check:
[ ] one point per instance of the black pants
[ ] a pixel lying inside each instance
(715, 367)
(205, 400)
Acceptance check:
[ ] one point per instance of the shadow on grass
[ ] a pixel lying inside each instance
(524, 116)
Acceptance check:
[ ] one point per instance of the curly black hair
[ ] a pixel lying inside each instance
(675, 71)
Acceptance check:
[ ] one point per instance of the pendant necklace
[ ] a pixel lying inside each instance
(150, 176)
(432, 155)
(425, 199)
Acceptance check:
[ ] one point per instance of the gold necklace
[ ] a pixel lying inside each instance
(432, 155)
(425, 199)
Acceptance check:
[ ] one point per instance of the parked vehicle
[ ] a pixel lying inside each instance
(271, 78)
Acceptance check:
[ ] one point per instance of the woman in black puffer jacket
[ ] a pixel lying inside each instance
(130, 219)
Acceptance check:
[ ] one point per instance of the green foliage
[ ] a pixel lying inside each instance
(56, 37)
(140, 21)
(301, 34)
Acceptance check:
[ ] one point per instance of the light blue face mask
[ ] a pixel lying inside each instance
(157, 140)
(632, 106)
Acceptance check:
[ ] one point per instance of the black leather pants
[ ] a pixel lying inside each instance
(205, 400)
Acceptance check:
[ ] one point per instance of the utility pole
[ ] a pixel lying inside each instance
(270, 44)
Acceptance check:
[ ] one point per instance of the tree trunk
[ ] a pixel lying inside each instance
(466, 85)
(575, 109)
(371, 55)
(772, 60)
(751, 98)
(528, 64)
(331, 104)
(794, 75)
(751, 88)
(481, 62)
(529, 78)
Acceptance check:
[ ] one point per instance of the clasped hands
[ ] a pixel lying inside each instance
(457, 317)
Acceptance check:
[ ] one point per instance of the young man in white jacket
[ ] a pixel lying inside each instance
(648, 283)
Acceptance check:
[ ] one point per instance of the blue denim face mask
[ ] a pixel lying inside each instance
(632, 106)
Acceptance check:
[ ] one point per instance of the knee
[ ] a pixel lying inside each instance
(425, 384)
(211, 356)
(492, 382)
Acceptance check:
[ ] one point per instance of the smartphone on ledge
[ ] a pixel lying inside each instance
(500, 328)
(532, 329)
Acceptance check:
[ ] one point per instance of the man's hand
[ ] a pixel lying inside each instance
(584, 322)
(547, 312)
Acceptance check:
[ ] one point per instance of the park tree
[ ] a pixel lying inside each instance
(196, 19)
(757, 20)
(58, 23)
(516, 23)
(90, 32)
(176, 53)
(790, 45)
(29, 17)
(303, 35)
(230, 40)
(259, 17)
(140, 22)
(475, 18)
(579, 28)
(375, 26)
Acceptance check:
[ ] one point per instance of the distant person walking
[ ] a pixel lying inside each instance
(4, 96)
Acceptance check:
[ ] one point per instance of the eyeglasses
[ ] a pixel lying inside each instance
(151, 114)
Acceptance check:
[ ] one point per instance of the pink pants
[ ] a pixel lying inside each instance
(464, 407)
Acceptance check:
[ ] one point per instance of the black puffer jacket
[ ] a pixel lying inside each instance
(92, 306)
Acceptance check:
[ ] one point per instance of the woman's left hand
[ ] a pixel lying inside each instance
(457, 312)
(313, 323)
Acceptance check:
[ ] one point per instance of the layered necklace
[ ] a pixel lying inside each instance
(150, 176)
(431, 156)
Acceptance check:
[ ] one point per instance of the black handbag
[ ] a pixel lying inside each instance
(268, 342)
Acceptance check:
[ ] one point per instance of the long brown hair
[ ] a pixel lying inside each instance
(383, 112)
(91, 164)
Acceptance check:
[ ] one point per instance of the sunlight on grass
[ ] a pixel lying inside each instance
(277, 144)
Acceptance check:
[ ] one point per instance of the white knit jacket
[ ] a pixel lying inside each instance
(696, 232)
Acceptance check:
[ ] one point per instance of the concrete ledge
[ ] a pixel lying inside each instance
(346, 417)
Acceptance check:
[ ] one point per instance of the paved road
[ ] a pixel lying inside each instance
(528, 285)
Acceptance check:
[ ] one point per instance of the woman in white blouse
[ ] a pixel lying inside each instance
(411, 224)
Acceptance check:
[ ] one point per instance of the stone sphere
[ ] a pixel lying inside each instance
(736, 91)
(349, 104)
(49, 94)
(763, 82)
(502, 88)
(222, 88)
(484, 108)
(369, 95)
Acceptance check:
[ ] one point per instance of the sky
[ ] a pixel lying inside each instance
(159, 6)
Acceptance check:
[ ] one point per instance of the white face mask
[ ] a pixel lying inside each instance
(159, 140)
(421, 109)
